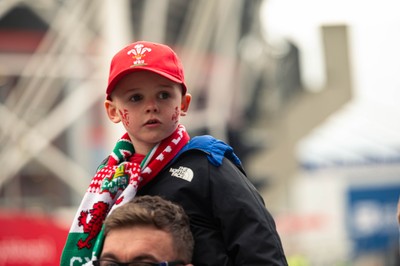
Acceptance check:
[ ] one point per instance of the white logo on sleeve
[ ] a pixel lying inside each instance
(183, 173)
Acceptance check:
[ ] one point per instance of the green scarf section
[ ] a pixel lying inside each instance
(114, 184)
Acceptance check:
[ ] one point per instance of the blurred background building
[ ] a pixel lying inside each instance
(305, 91)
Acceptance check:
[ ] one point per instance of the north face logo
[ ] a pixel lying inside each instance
(183, 173)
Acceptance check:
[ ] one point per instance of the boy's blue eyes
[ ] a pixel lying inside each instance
(164, 95)
(138, 97)
(135, 98)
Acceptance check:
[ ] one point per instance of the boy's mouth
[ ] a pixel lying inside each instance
(152, 122)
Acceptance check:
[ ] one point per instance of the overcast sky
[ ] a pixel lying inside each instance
(370, 124)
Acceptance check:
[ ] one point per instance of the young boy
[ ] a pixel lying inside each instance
(147, 93)
(147, 231)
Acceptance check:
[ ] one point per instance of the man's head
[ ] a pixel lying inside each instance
(149, 56)
(148, 229)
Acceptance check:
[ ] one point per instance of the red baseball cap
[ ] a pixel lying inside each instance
(149, 56)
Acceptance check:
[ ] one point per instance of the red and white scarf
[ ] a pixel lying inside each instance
(114, 184)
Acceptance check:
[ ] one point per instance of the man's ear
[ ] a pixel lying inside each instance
(185, 103)
(111, 110)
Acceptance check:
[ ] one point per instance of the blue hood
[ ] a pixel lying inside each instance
(215, 149)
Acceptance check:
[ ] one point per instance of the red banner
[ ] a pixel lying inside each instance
(28, 239)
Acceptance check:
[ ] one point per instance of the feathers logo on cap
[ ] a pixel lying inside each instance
(139, 52)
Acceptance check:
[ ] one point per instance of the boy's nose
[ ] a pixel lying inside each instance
(152, 107)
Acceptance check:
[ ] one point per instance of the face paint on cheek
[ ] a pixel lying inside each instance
(175, 116)
(125, 117)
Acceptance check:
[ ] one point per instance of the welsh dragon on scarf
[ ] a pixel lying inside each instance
(114, 184)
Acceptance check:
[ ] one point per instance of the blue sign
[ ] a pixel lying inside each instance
(371, 217)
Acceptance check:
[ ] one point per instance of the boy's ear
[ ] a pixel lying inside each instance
(111, 110)
(185, 103)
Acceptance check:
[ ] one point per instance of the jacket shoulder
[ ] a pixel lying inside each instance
(215, 149)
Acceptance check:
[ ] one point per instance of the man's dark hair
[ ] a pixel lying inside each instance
(159, 213)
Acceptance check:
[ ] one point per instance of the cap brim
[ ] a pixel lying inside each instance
(117, 78)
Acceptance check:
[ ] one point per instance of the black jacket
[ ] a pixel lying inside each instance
(229, 221)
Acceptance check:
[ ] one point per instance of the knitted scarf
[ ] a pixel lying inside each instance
(114, 184)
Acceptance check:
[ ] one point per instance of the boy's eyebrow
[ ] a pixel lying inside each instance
(169, 86)
(131, 89)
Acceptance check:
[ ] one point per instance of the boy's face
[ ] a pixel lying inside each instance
(149, 107)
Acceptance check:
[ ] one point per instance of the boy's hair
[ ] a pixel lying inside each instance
(146, 56)
(159, 213)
